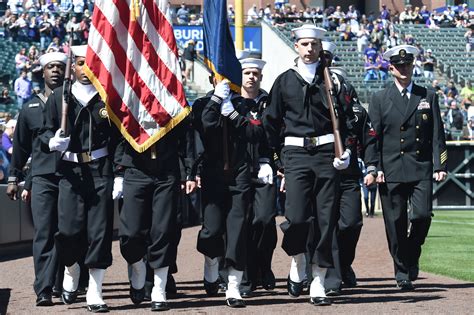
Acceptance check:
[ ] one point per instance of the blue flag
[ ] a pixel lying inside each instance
(219, 50)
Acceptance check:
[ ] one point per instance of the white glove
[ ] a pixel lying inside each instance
(222, 89)
(227, 107)
(265, 174)
(58, 143)
(118, 188)
(343, 162)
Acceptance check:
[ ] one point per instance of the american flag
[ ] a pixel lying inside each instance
(132, 60)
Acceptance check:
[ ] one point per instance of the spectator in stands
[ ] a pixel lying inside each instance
(78, 7)
(370, 52)
(384, 14)
(22, 89)
(454, 116)
(252, 15)
(406, 17)
(5, 98)
(58, 30)
(371, 70)
(377, 36)
(45, 30)
(7, 137)
(21, 61)
(65, 6)
(450, 89)
(75, 27)
(425, 14)
(363, 36)
(12, 28)
(183, 14)
(429, 63)
(383, 67)
(189, 56)
(469, 36)
(230, 13)
(468, 130)
(431, 23)
(55, 45)
(467, 92)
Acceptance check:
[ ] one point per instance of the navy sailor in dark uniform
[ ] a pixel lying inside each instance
(349, 198)
(149, 222)
(298, 104)
(225, 193)
(85, 189)
(262, 234)
(412, 148)
(44, 182)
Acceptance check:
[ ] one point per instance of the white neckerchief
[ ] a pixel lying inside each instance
(83, 92)
(307, 71)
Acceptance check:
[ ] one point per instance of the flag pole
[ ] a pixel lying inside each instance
(239, 24)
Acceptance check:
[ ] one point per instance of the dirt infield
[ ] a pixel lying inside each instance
(376, 292)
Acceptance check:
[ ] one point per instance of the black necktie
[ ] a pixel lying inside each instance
(405, 96)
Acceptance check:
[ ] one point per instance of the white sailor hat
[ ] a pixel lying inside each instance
(252, 63)
(329, 47)
(340, 71)
(52, 56)
(242, 54)
(308, 31)
(79, 51)
(401, 54)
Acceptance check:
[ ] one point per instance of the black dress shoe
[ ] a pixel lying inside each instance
(349, 278)
(137, 295)
(268, 280)
(159, 306)
(81, 290)
(235, 303)
(320, 301)
(171, 285)
(294, 288)
(405, 285)
(44, 299)
(333, 292)
(98, 308)
(212, 288)
(68, 297)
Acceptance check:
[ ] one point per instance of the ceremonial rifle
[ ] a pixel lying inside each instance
(332, 101)
(66, 89)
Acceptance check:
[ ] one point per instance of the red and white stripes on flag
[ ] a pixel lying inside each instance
(132, 60)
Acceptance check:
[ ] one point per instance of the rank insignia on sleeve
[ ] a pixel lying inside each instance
(444, 156)
(103, 113)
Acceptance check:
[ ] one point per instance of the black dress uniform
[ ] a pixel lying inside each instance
(85, 188)
(412, 147)
(311, 181)
(225, 194)
(349, 197)
(44, 189)
(262, 234)
(149, 218)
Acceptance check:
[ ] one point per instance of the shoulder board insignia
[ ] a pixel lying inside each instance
(32, 105)
(103, 113)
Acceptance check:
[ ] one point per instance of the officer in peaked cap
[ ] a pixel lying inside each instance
(408, 124)
(42, 183)
(297, 99)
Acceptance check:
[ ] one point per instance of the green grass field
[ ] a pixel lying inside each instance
(449, 247)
